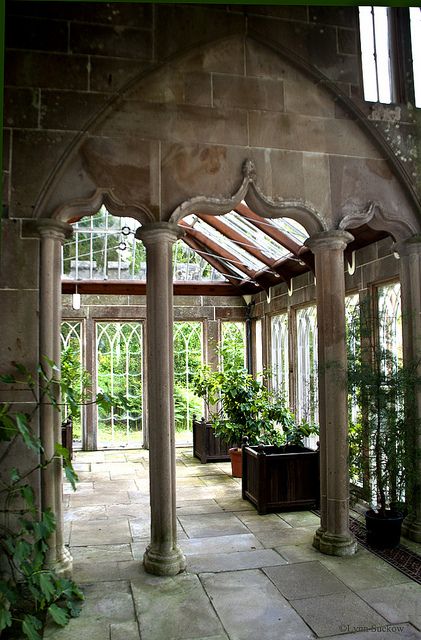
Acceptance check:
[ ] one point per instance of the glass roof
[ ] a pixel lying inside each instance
(104, 247)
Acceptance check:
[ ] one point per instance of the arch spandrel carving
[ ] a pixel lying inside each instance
(153, 157)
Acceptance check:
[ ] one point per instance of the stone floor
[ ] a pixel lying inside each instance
(249, 577)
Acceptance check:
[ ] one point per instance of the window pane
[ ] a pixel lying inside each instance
(72, 370)
(280, 361)
(375, 57)
(307, 387)
(119, 373)
(187, 361)
(233, 345)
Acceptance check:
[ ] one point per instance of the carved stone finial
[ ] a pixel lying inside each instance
(249, 170)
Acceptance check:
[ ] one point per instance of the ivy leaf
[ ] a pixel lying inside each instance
(46, 584)
(23, 550)
(7, 426)
(22, 424)
(71, 475)
(28, 495)
(59, 615)
(5, 617)
(45, 527)
(30, 625)
(7, 378)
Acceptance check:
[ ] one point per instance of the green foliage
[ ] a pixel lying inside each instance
(248, 409)
(382, 388)
(29, 593)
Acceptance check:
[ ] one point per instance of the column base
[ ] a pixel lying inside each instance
(333, 544)
(168, 564)
(411, 529)
(62, 565)
(317, 537)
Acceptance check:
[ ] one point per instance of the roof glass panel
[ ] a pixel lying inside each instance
(257, 237)
(294, 229)
(244, 258)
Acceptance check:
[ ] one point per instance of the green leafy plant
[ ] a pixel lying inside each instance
(380, 387)
(247, 408)
(30, 594)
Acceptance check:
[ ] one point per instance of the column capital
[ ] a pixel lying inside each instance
(156, 232)
(410, 246)
(51, 228)
(329, 240)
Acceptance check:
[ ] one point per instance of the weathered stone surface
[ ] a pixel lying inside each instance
(305, 133)
(122, 41)
(30, 176)
(21, 108)
(247, 93)
(69, 109)
(397, 603)
(112, 74)
(42, 69)
(340, 612)
(249, 604)
(181, 597)
(195, 25)
(304, 580)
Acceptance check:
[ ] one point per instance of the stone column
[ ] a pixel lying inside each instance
(410, 278)
(52, 234)
(162, 556)
(333, 537)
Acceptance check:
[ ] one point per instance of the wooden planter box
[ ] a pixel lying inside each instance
(274, 480)
(206, 446)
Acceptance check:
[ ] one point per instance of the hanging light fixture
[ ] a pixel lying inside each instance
(76, 300)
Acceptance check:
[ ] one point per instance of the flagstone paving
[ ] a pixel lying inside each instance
(248, 576)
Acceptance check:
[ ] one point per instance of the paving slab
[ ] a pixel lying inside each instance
(98, 498)
(102, 553)
(192, 507)
(337, 613)
(211, 524)
(220, 544)
(188, 612)
(239, 560)
(124, 631)
(300, 519)
(86, 572)
(363, 570)
(398, 603)
(304, 580)
(251, 607)
(285, 535)
(93, 512)
(100, 532)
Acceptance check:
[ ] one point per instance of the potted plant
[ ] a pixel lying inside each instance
(380, 386)
(248, 413)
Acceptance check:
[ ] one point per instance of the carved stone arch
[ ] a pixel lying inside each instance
(248, 191)
(87, 207)
(375, 217)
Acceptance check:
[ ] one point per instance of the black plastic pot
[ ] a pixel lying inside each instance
(383, 532)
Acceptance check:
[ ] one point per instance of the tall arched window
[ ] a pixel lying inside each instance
(279, 355)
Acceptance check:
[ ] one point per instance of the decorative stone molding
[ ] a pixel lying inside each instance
(377, 218)
(248, 191)
(88, 207)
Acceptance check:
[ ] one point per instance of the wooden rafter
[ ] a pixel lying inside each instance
(223, 268)
(138, 288)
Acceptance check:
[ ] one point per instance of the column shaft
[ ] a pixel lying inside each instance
(52, 234)
(333, 536)
(163, 556)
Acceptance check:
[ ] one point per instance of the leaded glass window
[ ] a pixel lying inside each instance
(280, 360)
(72, 369)
(307, 384)
(187, 361)
(233, 345)
(119, 373)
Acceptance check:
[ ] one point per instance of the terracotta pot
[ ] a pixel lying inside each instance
(236, 462)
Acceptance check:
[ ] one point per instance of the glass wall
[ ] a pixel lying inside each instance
(279, 355)
(188, 349)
